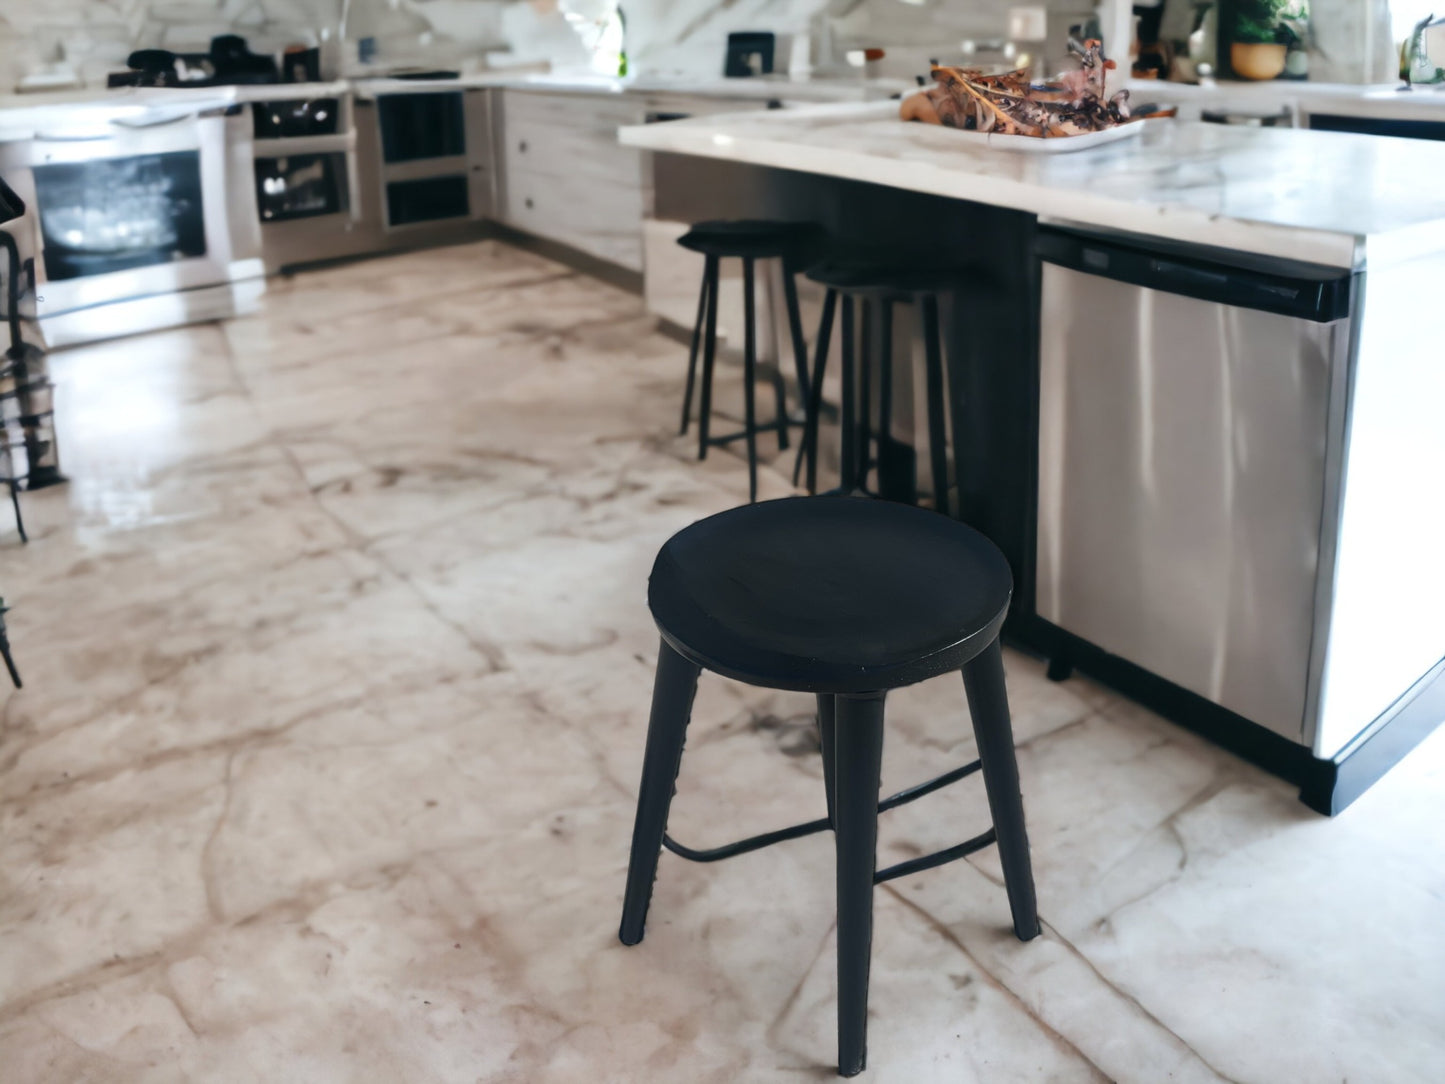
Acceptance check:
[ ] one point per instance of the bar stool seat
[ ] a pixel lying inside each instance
(829, 594)
(846, 598)
(756, 239)
(865, 279)
(875, 288)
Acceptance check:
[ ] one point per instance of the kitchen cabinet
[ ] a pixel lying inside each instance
(436, 160)
(564, 176)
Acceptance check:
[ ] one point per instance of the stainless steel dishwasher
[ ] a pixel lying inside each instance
(1186, 402)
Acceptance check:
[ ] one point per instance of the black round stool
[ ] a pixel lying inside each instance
(846, 598)
(874, 290)
(749, 241)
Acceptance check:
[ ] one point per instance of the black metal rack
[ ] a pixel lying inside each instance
(29, 453)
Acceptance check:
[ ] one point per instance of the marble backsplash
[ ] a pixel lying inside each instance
(93, 37)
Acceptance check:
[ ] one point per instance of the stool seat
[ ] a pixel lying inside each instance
(829, 594)
(894, 283)
(752, 239)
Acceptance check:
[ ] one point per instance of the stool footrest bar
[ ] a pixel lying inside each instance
(938, 858)
(761, 427)
(912, 794)
(797, 831)
(743, 846)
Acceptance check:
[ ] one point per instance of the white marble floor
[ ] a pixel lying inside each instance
(337, 668)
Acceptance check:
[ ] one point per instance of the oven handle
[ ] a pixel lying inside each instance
(60, 137)
(143, 122)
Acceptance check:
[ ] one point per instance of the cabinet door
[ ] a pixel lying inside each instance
(565, 177)
(601, 219)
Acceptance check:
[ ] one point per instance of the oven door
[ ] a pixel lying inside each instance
(136, 212)
(301, 186)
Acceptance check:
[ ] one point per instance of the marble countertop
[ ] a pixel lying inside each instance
(780, 88)
(1380, 100)
(21, 115)
(1324, 197)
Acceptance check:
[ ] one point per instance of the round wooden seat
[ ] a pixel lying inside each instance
(830, 594)
(871, 280)
(752, 239)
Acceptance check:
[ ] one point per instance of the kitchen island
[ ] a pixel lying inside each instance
(1222, 507)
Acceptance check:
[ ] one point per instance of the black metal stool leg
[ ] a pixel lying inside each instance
(988, 703)
(864, 439)
(895, 476)
(815, 395)
(672, 694)
(859, 752)
(937, 437)
(780, 408)
(697, 327)
(5, 649)
(750, 367)
(827, 732)
(709, 353)
(795, 327)
(849, 423)
(19, 519)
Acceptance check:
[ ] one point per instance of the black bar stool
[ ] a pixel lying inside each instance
(845, 598)
(749, 241)
(874, 290)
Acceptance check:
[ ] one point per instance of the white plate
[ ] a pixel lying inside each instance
(1052, 144)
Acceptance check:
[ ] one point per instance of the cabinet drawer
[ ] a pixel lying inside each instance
(604, 220)
(573, 110)
(571, 136)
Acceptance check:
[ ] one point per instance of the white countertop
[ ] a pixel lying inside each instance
(1324, 197)
(1381, 100)
(780, 88)
(79, 111)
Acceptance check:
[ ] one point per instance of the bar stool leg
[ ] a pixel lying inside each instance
(772, 281)
(827, 737)
(709, 353)
(814, 401)
(859, 751)
(780, 408)
(697, 326)
(750, 367)
(988, 704)
(672, 694)
(937, 437)
(795, 326)
(19, 519)
(849, 424)
(864, 440)
(891, 478)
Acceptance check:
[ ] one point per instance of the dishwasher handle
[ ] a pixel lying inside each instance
(1321, 295)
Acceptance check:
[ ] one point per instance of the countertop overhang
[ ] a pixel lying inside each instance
(1331, 198)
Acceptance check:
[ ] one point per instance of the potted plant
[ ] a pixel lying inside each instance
(1259, 38)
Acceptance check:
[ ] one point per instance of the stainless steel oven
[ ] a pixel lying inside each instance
(305, 179)
(145, 221)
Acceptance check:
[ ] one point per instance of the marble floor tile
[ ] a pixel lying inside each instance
(338, 665)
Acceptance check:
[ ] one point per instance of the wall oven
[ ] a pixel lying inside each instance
(305, 179)
(145, 222)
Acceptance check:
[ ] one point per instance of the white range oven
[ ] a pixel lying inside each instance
(147, 219)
